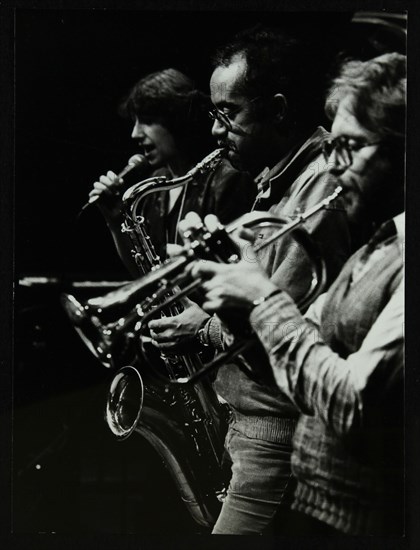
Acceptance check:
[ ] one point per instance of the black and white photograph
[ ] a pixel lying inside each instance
(206, 281)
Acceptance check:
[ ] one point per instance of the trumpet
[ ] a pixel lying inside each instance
(103, 323)
(149, 294)
(178, 412)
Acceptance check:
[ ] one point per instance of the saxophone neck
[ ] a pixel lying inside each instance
(136, 194)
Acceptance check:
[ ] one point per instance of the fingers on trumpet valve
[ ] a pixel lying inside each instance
(191, 221)
(212, 223)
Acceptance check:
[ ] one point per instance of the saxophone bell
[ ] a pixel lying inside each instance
(182, 420)
(124, 402)
(185, 426)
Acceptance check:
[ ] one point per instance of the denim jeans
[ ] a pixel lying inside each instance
(260, 475)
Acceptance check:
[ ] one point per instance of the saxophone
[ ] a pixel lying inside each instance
(185, 425)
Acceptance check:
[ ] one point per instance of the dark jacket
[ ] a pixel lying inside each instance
(225, 192)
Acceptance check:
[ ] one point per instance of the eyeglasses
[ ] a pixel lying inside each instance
(344, 146)
(225, 118)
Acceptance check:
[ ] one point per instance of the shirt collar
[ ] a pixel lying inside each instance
(268, 176)
(262, 180)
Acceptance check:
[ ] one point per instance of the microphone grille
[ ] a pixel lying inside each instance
(137, 159)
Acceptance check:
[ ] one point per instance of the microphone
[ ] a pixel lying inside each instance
(133, 162)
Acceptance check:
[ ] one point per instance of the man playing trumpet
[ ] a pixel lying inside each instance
(342, 364)
(265, 88)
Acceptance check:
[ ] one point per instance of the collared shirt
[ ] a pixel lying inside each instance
(296, 183)
(299, 156)
(343, 369)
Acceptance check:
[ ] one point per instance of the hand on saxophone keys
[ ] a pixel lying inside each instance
(177, 334)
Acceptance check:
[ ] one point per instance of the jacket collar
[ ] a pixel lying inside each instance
(299, 156)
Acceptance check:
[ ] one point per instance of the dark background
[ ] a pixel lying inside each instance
(72, 68)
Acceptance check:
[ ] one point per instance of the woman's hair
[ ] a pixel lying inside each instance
(171, 98)
(378, 91)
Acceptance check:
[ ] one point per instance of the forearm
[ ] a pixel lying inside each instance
(292, 344)
(318, 380)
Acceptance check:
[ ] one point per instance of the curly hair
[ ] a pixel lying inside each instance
(171, 98)
(378, 90)
(277, 62)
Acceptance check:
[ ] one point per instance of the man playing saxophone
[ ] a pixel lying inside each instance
(170, 127)
(265, 89)
(342, 364)
(186, 427)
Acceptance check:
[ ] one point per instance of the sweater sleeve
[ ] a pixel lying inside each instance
(343, 393)
(286, 261)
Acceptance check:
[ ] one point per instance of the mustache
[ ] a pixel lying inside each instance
(350, 183)
(227, 145)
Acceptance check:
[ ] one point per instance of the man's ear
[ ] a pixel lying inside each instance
(280, 107)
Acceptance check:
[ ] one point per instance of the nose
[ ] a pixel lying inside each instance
(138, 131)
(218, 129)
(335, 165)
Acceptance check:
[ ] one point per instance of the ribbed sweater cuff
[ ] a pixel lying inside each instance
(268, 428)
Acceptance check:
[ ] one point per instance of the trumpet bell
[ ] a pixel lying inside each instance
(95, 335)
(125, 402)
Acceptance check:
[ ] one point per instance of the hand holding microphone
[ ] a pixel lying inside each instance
(107, 190)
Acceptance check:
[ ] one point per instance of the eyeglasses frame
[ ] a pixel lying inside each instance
(223, 119)
(344, 145)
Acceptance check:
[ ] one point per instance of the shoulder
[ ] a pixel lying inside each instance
(226, 180)
(225, 167)
(227, 192)
(313, 185)
(224, 174)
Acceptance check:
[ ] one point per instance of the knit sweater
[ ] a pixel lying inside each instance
(343, 370)
(296, 183)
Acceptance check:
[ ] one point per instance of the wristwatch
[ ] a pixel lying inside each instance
(202, 335)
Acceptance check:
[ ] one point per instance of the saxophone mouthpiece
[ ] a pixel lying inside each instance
(209, 162)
